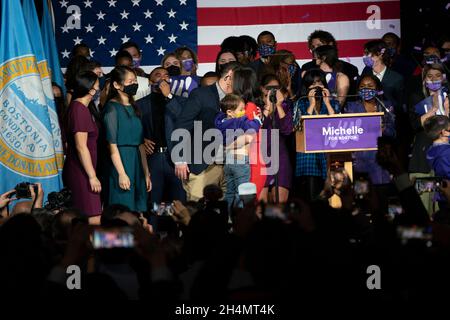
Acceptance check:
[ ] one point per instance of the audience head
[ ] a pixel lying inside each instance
(223, 57)
(245, 84)
(444, 46)
(320, 38)
(123, 83)
(327, 55)
(233, 106)
(437, 127)
(369, 87)
(392, 42)
(156, 76)
(311, 79)
(209, 78)
(249, 49)
(375, 53)
(433, 78)
(133, 49)
(283, 63)
(188, 59)
(172, 64)
(226, 78)
(63, 222)
(81, 50)
(124, 59)
(86, 85)
(212, 193)
(76, 64)
(267, 44)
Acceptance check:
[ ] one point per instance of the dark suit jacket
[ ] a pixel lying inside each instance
(393, 88)
(202, 105)
(172, 112)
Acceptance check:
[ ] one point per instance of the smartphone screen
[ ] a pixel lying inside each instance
(109, 238)
(361, 187)
(427, 184)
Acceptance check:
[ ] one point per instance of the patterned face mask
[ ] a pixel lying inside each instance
(266, 50)
(292, 68)
(367, 94)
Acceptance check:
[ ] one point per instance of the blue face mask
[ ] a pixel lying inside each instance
(368, 61)
(101, 82)
(188, 64)
(292, 68)
(367, 94)
(266, 50)
(136, 62)
(391, 52)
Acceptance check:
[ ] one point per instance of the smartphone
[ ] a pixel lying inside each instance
(275, 212)
(361, 187)
(431, 184)
(110, 238)
(163, 209)
(407, 234)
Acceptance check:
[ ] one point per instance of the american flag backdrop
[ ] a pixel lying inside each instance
(160, 26)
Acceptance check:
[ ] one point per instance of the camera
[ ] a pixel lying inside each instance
(58, 200)
(319, 92)
(23, 190)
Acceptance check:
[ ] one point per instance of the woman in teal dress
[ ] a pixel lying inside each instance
(129, 176)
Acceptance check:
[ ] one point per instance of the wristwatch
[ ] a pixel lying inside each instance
(169, 96)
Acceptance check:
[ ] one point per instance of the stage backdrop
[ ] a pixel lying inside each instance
(160, 26)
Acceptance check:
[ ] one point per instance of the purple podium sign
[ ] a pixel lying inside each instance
(338, 133)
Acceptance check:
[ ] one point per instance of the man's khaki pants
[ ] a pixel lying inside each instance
(196, 182)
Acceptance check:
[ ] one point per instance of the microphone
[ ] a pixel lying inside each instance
(382, 104)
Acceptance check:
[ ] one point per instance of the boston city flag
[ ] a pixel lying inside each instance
(30, 145)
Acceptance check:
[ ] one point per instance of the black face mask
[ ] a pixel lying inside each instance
(131, 89)
(173, 70)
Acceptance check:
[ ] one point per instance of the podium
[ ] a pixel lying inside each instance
(340, 134)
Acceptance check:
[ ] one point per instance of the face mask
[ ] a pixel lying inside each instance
(391, 52)
(101, 82)
(292, 68)
(433, 85)
(136, 63)
(266, 50)
(367, 94)
(155, 86)
(239, 114)
(368, 61)
(431, 59)
(188, 64)
(131, 89)
(173, 70)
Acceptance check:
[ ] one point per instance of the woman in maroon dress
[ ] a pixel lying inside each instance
(81, 159)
